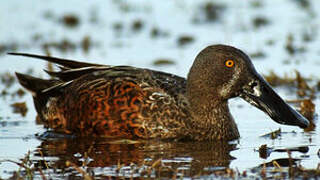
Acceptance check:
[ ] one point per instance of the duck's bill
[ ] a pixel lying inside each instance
(260, 94)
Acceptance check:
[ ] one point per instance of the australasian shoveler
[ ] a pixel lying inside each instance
(127, 102)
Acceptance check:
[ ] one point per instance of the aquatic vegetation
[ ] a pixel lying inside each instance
(185, 40)
(7, 79)
(208, 12)
(70, 20)
(282, 168)
(20, 108)
(160, 62)
(260, 21)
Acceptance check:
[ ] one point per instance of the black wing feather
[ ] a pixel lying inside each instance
(71, 64)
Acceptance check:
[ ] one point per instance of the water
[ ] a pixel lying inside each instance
(117, 41)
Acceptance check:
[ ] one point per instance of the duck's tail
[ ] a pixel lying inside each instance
(37, 88)
(43, 90)
(33, 84)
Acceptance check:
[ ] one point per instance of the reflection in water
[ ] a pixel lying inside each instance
(265, 151)
(107, 158)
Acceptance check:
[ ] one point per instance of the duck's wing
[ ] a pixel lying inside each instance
(122, 101)
(71, 70)
(66, 63)
(172, 84)
(115, 101)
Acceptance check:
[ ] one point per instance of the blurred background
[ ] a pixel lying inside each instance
(281, 37)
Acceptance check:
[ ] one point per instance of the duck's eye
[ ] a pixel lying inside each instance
(229, 63)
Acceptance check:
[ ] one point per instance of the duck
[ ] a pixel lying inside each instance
(96, 100)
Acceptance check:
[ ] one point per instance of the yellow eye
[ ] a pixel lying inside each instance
(229, 63)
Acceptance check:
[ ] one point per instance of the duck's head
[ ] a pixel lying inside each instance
(222, 72)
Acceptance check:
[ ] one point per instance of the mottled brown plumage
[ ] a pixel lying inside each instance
(127, 102)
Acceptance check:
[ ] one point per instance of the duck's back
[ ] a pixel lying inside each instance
(119, 101)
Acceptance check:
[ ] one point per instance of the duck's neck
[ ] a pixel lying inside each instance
(212, 121)
(208, 105)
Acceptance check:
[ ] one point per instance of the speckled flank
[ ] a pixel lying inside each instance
(119, 102)
(127, 102)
